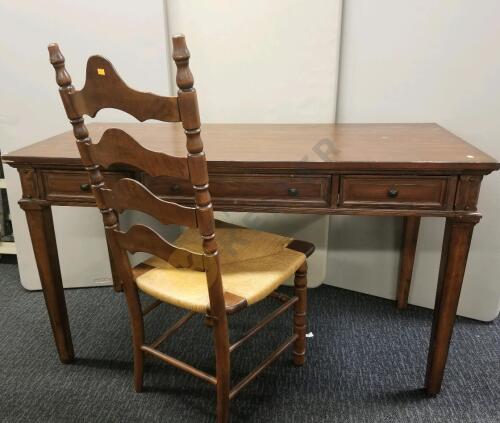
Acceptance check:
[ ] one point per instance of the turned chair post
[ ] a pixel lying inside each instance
(189, 114)
(109, 216)
(299, 315)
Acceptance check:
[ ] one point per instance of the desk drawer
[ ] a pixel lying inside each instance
(419, 192)
(72, 186)
(285, 190)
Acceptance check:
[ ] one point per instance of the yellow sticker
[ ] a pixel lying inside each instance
(101, 72)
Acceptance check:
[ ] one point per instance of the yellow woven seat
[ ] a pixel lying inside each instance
(253, 263)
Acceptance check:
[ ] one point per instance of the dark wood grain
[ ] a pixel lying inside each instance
(456, 244)
(140, 238)
(128, 194)
(104, 88)
(411, 225)
(299, 315)
(348, 147)
(43, 239)
(395, 191)
(117, 147)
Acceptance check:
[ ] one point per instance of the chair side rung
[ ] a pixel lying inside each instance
(252, 375)
(150, 307)
(279, 296)
(268, 319)
(180, 364)
(172, 329)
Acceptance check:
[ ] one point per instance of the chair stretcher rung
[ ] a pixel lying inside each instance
(252, 375)
(268, 319)
(172, 329)
(150, 307)
(180, 364)
(279, 296)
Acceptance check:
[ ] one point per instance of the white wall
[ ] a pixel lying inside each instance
(408, 61)
(133, 38)
(263, 61)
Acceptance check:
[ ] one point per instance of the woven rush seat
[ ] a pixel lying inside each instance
(253, 264)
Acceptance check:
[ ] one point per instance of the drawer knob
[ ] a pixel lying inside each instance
(393, 193)
(176, 188)
(293, 192)
(85, 187)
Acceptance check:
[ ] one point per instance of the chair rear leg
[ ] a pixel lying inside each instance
(299, 315)
(137, 325)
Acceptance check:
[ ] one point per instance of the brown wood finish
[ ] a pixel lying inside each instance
(41, 227)
(64, 185)
(431, 192)
(456, 244)
(141, 238)
(105, 89)
(246, 148)
(132, 195)
(117, 147)
(115, 193)
(411, 224)
(289, 190)
(299, 315)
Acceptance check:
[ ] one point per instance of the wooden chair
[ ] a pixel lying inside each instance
(194, 273)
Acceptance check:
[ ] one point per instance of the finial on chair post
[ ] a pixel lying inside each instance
(63, 79)
(188, 102)
(57, 60)
(181, 57)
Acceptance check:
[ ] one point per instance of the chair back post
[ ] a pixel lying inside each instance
(189, 114)
(81, 133)
(84, 142)
(198, 173)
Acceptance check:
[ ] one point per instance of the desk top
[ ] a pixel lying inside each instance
(425, 146)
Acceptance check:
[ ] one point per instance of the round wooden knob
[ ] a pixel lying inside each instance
(393, 193)
(85, 187)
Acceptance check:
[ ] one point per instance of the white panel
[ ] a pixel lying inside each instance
(407, 61)
(263, 61)
(128, 33)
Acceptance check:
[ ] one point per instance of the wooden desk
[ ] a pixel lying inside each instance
(410, 170)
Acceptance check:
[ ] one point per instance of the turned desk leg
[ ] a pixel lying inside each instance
(411, 225)
(41, 228)
(456, 243)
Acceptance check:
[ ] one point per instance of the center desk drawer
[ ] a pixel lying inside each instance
(285, 190)
(420, 192)
(73, 186)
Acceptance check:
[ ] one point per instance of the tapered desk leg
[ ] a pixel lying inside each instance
(41, 228)
(456, 243)
(411, 225)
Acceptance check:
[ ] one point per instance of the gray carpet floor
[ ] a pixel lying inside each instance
(366, 363)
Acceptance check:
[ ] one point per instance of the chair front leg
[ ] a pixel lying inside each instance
(137, 325)
(300, 315)
(223, 370)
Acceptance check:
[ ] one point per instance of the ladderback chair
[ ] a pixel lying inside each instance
(193, 273)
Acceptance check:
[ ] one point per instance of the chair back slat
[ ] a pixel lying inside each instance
(105, 89)
(140, 238)
(118, 147)
(128, 194)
